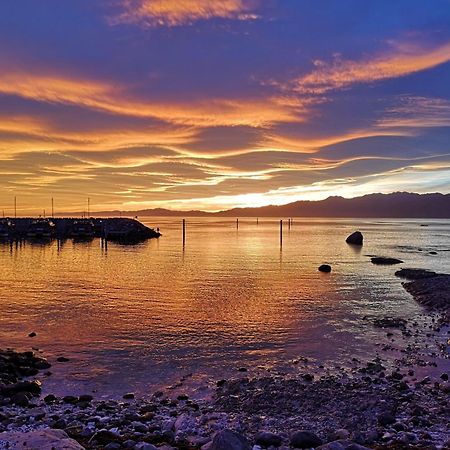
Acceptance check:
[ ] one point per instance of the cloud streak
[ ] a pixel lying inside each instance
(339, 74)
(167, 107)
(113, 98)
(156, 13)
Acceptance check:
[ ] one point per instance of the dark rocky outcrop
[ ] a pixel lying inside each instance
(433, 292)
(355, 238)
(416, 274)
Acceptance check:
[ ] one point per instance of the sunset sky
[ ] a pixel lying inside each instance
(211, 104)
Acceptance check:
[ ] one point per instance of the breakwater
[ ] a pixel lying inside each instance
(113, 229)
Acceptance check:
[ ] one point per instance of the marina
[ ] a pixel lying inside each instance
(124, 230)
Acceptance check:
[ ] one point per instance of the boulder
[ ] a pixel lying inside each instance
(268, 439)
(355, 238)
(341, 434)
(229, 440)
(326, 268)
(21, 399)
(46, 439)
(305, 439)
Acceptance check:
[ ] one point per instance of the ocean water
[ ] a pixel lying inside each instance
(141, 317)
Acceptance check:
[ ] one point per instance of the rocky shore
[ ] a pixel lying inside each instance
(377, 404)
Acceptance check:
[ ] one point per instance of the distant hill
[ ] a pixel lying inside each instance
(395, 205)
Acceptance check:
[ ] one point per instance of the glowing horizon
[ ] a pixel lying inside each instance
(211, 105)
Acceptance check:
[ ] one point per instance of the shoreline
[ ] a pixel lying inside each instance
(369, 405)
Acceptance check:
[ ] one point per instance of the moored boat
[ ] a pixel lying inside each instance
(41, 229)
(82, 229)
(6, 229)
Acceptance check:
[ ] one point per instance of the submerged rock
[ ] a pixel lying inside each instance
(62, 359)
(416, 274)
(355, 238)
(384, 261)
(390, 322)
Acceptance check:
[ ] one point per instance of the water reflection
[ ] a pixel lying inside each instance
(130, 315)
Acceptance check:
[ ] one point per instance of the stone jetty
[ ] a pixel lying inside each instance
(124, 230)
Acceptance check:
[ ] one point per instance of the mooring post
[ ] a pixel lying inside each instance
(184, 231)
(237, 224)
(281, 232)
(257, 221)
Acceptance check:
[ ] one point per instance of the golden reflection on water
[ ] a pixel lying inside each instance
(130, 315)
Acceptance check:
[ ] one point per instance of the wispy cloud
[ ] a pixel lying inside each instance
(417, 112)
(418, 178)
(403, 60)
(154, 13)
(115, 99)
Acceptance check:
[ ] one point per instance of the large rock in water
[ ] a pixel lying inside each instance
(229, 440)
(47, 439)
(355, 238)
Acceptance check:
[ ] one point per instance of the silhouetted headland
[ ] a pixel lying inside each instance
(114, 229)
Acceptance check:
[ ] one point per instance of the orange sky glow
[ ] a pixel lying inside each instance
(218, 104)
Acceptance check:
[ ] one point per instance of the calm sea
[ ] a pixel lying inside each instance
(135, 318)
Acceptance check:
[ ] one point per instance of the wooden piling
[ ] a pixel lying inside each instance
(237, 224)
(184, 231)
(281, 232)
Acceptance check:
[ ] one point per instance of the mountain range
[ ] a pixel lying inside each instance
(394, 205)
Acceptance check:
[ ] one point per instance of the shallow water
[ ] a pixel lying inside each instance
(135, 318)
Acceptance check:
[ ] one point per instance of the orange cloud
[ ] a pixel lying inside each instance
(113, 98)
(24, 134)
(179, 12)
(341, 73)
